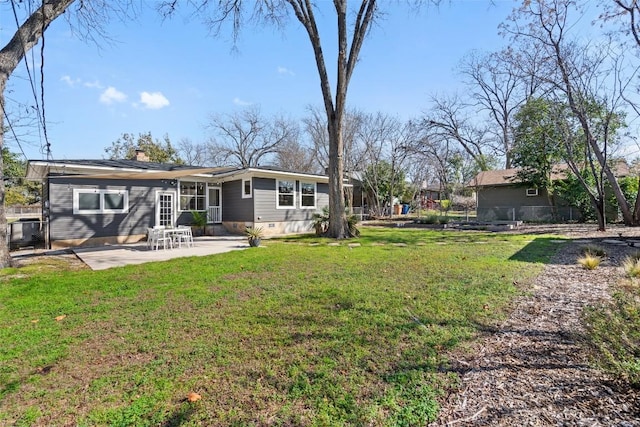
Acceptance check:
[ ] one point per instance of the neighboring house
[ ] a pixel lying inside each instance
(94, 202)
(501, 196)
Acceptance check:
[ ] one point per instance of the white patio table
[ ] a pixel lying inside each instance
(179, 235)
(169, 237)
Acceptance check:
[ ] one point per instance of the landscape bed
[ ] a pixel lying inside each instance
(301, 331)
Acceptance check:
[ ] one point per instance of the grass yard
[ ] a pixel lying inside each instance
(298, 332)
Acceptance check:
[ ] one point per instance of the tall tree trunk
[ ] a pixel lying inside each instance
(591, 140)
(600, 217)
(25, 38)
(636, 207)
(5, 257)
(338, 227)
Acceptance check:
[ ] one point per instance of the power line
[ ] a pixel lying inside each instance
(4, 111)
(44, 120)
(39, 111)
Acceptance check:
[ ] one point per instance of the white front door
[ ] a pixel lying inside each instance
(166, 208)
(214, 207)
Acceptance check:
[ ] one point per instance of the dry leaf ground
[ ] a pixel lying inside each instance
(533, 369)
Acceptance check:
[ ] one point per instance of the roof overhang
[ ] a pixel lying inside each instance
(152, 174)
(268, 173)
(39, 170)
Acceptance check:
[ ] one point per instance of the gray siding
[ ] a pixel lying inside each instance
(65, 225)
(510, 196)
(502, 203)
(264, 194)
(322, 197)
(234, 207)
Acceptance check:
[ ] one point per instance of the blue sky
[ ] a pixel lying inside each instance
(168, 77)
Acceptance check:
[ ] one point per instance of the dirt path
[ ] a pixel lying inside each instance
(531, 370)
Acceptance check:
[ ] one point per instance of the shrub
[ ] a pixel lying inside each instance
(589, 261)
(631, 266)
(594, 250)
(321, 223)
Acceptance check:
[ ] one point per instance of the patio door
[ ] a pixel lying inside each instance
(214, 207)
(166, 208)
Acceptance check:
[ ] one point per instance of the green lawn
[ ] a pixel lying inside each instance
(297, 332)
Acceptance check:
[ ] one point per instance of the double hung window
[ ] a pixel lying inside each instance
(286, 194)
(193, 196)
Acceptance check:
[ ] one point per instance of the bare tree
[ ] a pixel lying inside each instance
(315, 125)
(28, 34)
(578, 75)
(292, 155)
(448, 118)
(192, 153)
(351, 30)
(247, 139)
(385, 141)
(498, 90)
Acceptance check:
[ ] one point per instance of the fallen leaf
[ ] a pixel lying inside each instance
(35, 320)
(193, 397)
(59, 318)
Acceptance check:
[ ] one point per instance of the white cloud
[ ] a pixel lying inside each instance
(242, 103)
(93, 85)
(68, 80)
(112, 95)
(284, 70)
(153, 101)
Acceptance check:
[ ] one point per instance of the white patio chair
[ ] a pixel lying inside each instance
(184, 236)
(157, 236)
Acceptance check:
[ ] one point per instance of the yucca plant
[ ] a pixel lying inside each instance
(254, 235)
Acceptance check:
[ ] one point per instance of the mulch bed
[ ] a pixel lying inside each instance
(533, 369)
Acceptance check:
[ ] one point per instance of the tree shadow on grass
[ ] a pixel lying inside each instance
(540, 250)
(180, 415)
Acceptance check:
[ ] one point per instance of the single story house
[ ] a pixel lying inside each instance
(95, 202)
(501, 196)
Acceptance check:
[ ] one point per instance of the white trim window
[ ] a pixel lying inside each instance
(285, 194)
(308, 192)
(531, 192)
(193, 196)
(94, 201)
(247, 190)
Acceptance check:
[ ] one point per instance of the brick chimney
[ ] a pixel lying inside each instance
(141, 156)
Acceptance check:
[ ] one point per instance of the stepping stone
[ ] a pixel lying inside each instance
(400, 245)
(354, 245)
(333, 244)
(614, 242)
(314, 244)
(558, 241)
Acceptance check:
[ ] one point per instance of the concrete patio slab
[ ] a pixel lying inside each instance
(103, 257)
